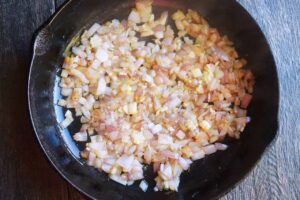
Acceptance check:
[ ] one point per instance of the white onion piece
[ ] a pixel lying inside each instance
(62, 102)
(248, 119)
(220, 146)
(174, 103)
(209, 149)
(180, 135)
(220, 53)
(101, 55)
(82, 100)
(90, 102)
(144, 185)
(80, 136)
(156, 128)
(93, 29)
(64, 73)
(101, 89)
(91, 158)
(170, 154)
(86, 112)
(148, 78)
(167, 41)
(163, 61)
(166, 171)
(139, 62)
(77, 51)
(173, 184)
(126, 162)
(106, 167)
(134, 17)
(165, 139)
(96, 64)
(113, 135)
(67, 121)
(148, 154)
(79, 75)
(137, 175)
(109, 161)
(66, 91)
(184, 163)
(198, 155)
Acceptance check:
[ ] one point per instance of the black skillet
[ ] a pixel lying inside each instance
(208, 178)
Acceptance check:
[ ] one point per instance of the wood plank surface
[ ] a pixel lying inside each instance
(24, 171)
(26, 174)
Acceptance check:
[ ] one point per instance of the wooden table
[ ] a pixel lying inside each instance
(26, 174)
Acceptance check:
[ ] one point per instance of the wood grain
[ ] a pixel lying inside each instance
(24, 171)
(26, 174)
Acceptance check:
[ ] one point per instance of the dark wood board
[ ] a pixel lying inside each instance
(26, 174)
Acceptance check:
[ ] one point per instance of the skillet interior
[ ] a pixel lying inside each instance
(208, 178)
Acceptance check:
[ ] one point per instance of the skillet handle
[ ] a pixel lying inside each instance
(41, 41)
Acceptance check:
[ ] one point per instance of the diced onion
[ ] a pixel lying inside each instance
(93, 30)
(220, 146)
(80, 137)
(144, 185)
(101, 55)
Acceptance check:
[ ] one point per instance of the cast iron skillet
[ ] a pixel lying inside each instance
(208, 178)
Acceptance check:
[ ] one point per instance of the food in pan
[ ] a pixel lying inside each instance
(148, 93)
